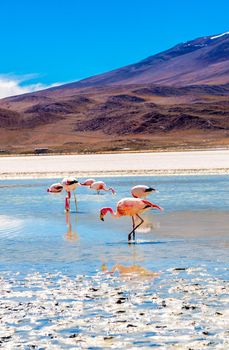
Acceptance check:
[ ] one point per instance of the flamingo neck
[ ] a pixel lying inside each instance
(109, 189)
(112, 212)
(112, 190)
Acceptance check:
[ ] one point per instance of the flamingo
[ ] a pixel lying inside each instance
(87, 182)
(141, 191)
(55, 188)
(100, 185)
(70, 184)
(130, 207)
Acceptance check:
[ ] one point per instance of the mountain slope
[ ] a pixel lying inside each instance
(135, 117)
(160, 102)
(201, 61)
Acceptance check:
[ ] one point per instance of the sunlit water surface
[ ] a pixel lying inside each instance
(35, 232)
(38, 237)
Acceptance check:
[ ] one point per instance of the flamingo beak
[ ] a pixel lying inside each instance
(155, 190)
(101, 217)
(157, 207)
(150, 189)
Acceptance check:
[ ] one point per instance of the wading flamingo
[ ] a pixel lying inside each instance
(100, 186)
(130, 207)
(55, 188)
(70, 184)
(87, 182)
(142, 191)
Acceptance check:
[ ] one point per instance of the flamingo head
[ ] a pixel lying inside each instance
(76, 182)
(151, 189)
(112, 190)
(103, 212)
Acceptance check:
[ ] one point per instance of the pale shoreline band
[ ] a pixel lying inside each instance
(127, 164)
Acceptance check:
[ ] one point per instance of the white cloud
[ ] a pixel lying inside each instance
(11, 86)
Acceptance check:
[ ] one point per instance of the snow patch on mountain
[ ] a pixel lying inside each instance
(218, 36)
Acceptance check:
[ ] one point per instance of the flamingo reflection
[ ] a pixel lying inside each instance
(71, 234)
(131, 270)
(132, 267)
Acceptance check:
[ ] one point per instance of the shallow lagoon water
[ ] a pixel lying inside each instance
(44, 249)
(36, 233)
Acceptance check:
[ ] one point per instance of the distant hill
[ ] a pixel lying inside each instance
(175, 99)
(201, 61)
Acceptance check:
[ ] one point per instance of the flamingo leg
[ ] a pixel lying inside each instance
(135, 227)
(133, 230)
(69, 196)
(67, 204)
(140, 222)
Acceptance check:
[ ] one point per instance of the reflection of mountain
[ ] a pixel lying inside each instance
(177, 98)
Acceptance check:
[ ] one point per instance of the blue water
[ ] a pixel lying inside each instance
(36, 234)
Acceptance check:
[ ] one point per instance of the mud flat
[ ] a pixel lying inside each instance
(159, 163)
(184, 308)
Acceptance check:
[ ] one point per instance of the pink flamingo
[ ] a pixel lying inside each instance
(70, 184)
(97, 185)
(141, 191)
(130, 207)
(87, 182)
(55, 188)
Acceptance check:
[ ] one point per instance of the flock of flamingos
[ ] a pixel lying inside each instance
(131, 206)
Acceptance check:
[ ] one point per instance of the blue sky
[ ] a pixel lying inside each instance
(47, 42)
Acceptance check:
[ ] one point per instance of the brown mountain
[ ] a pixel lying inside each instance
(176, 99)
